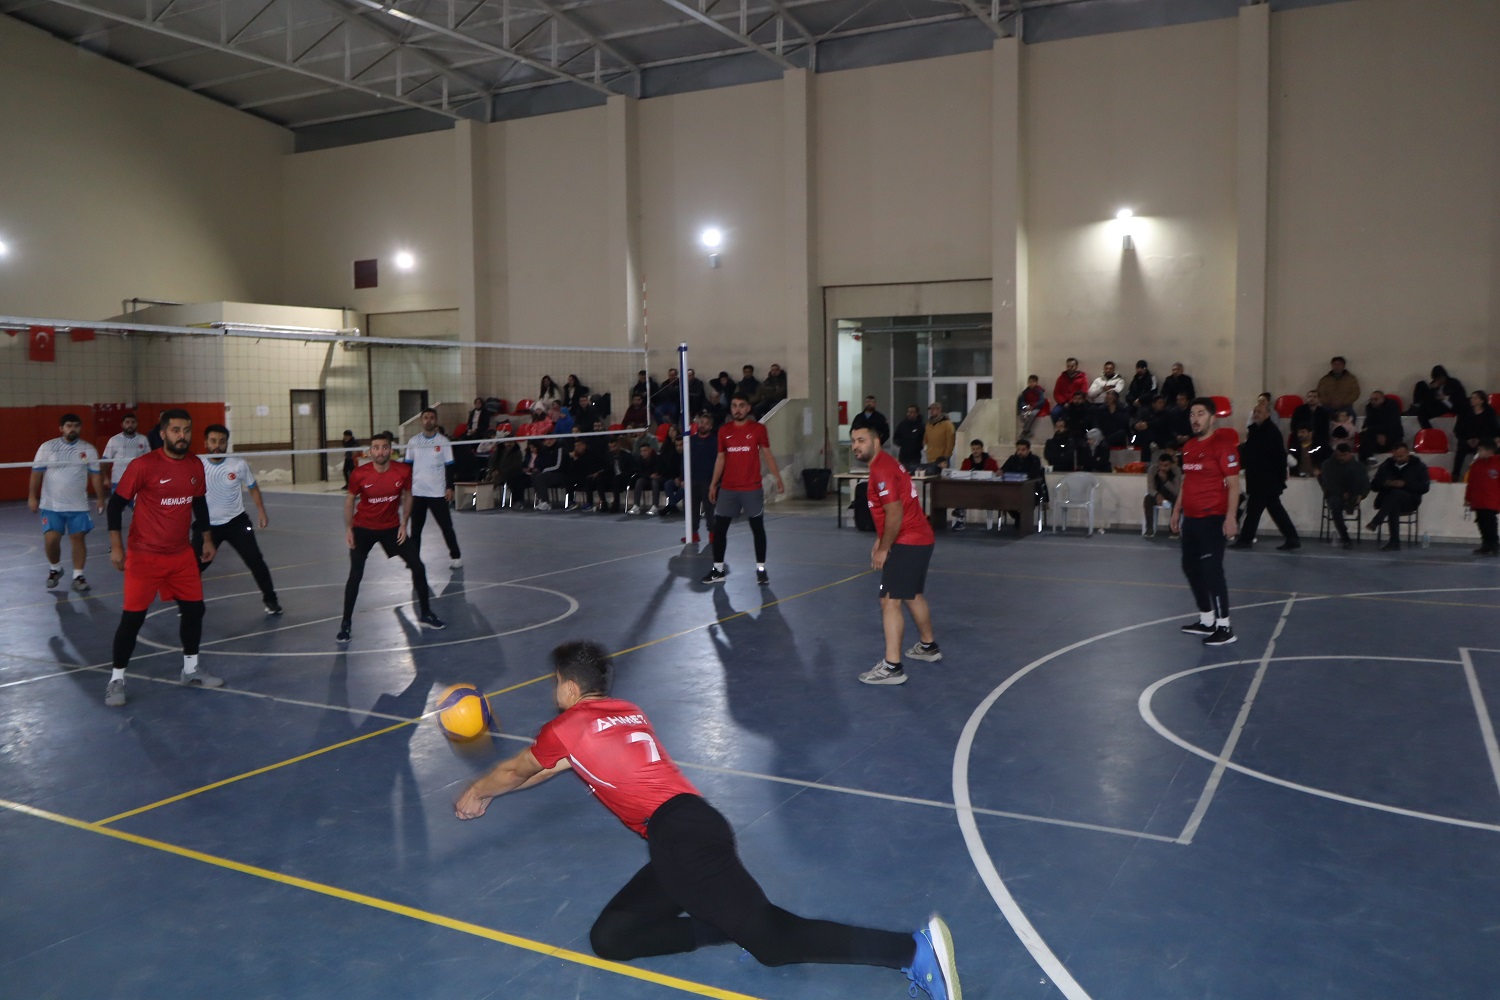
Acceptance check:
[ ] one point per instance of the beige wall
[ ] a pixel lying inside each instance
(1143, 119)
(1385, 192)
(114, 185)
(902, 172)
(370, 201)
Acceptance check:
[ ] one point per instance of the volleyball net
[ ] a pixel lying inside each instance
(286, 394)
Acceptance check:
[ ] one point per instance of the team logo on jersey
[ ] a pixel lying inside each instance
(231, 477)
(193, 480)
(437, 447)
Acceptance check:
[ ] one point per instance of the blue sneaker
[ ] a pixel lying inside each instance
(934, 970)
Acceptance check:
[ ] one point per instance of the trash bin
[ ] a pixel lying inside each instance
(815, 482)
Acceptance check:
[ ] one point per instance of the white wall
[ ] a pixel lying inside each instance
(114, 185)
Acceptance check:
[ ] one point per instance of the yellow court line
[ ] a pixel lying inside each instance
(410, 722)
(375, 902)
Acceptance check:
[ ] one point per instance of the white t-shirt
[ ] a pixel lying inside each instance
(429, 458)
(122, 449)
(226, 482)
(66, 468)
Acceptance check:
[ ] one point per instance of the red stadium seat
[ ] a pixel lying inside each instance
(1287, 405)
(1430, 441)
(1495, 400)
(1397, 399)
(524, 406)
(1222, 407)
(617, 427)
(1438, 474)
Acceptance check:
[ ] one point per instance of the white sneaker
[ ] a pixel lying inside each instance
(653, 511)
(455, 564)
(919, 652)
(883, 673)
(634, 508)
(543, 505)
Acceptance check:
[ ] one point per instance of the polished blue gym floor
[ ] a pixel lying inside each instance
(1098, 805)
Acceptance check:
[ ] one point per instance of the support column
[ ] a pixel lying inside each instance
(803, 308)
(472, 255)
(1252, 349)
(1008, 267)
(623, 206)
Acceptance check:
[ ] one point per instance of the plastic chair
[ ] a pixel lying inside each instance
(1222, 407)
(524, 406)
(617, 427)
(1494, 400)
(1285, 406)
(1430, 441)
(1325, 526)
(1438, 474)
(1076, 491)
(1400, 406)
(1157, 510)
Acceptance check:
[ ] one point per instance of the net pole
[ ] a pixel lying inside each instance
(687, 443)
(645, 348)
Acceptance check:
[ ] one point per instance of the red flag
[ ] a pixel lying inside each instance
(79, 334)
(43, 343)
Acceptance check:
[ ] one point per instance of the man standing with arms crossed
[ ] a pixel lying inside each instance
(736, 487)
(430, 456)
(902, 552)
(169, 494)
(1205, 516)
(124, 448)
(60, 476)
(226, 478)
(375, 513)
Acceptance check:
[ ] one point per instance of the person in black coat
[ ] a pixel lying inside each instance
(1382, 428)
(909, 437)
(1476, 422)
(1441, 395)
(1399, 485)
(1263, 457)
(1064, 452)
(872, 418)
(1178, 384)
(1312, 414)
(1113, 423)
(1142, 387)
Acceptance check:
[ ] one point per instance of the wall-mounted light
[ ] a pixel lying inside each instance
(405, 261)
(1125, 215)
(712, 238)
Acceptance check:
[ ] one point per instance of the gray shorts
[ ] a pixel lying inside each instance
(751, 503)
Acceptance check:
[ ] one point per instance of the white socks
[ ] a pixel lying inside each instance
(1206, 618)
(117, 675)
(189, 663)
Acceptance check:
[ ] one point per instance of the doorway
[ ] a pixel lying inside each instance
(309, 431)
(410, 403)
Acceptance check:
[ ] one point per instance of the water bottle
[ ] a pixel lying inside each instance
(1426, 540)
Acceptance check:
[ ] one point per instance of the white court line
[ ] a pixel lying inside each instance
(1149, 716)
(1044, 956)
(1212, 786)
(1486, 725)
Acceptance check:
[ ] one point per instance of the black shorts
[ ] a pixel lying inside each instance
(905, 572)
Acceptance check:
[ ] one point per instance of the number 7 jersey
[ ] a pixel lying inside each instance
(611, 745)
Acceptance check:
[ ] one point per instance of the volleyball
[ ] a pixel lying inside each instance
(463, 712)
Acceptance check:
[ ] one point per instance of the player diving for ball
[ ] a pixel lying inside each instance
(694, 890)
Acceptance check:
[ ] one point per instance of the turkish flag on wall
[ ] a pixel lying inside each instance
(79, 334)
(43, 343)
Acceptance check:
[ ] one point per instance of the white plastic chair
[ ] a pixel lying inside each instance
(1076, 491)
(1158, 511)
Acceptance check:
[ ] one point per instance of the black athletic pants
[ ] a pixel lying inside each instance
(1489, 529)
(695, 870)
(1203, 563)
(366, 539)
(240, 534)
(1259, 503)
(441, 514)
(697, 499)
(189, 631)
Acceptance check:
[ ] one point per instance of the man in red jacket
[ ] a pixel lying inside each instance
(1070, 381)
(1482, 496)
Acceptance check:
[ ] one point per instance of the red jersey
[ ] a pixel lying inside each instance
(740, 444)
(163, 489)
(1205, 467)
(889, 483)
(1482, 491)
(379, 493)
(611, 745)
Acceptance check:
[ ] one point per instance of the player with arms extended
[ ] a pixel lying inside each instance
(694, 890)
(902, 552)
(1205, 515)
(376, 512)
(169, 493)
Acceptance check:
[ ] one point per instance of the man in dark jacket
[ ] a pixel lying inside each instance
(1152, 428)
(703, 446)
(749, 384)
(1063, 451)
(1263, 457)
(1314, 415)
(1112, 421)
(1142, 387)
(909, 436)
(1024, 463)
(1399, 485)
(872, 418)
(1345, 483)
(1382, 428)
(1179, 383)
(697, 394)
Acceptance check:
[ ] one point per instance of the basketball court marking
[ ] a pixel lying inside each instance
(1030, 938)
(374, 902)
(1212, 785)
(408, 647)
(1486, 724)
(409, 722)
(1151, 720)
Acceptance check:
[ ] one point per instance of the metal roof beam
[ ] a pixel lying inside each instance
(728, 32)
(593, 38)
(993, 17)
(251, 56)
